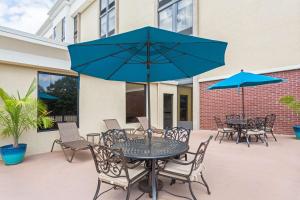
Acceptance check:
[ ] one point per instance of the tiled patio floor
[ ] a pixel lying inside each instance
(233, 172)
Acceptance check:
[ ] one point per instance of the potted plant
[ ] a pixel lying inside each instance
(294, 105)
(18, 115)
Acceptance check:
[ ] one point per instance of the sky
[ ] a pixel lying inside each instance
(24, 15)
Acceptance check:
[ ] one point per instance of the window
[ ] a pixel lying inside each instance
(63, 30)
(54, 33)
(176, 15)
(107, 18)
(183, 107)
(60, 94)
(135, 101)
(76, 29)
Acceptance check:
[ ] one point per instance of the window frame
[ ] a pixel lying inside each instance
(63, 29)
(78, 97)
(54, 33)
(145, 94)
(174, 5)
(106, 11)
(75, 33)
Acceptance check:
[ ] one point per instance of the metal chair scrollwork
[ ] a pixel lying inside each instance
(112, 169)
(187, 171)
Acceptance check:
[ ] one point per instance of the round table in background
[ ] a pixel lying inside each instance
(151, 151)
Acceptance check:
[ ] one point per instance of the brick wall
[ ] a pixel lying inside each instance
(259, 101)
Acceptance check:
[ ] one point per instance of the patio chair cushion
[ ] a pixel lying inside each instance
(255, 132)
(137, 172)
(182, 171)
(226, 129)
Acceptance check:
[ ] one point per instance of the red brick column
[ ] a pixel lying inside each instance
(259, 101)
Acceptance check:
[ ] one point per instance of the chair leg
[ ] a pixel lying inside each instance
(273, 135)
(217, 135)
(205, 183)
(97, 190)
(73, 154)
(190, 187)
(55, 141)
(247, 139)
(128, 193)
(266, 140)
(222, 137)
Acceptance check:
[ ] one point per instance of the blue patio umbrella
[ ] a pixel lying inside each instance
(147, 55)
(244, 79)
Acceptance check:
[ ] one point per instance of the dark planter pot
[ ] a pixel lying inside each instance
(11, 155)
(297, 131)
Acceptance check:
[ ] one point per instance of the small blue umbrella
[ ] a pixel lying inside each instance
(244, 79)
(45, 96)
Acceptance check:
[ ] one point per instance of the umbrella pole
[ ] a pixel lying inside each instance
(243, 103)
(148, 81)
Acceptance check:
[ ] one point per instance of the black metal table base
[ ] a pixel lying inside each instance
(146, 187)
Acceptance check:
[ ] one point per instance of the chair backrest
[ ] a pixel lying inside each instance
(251, 124)
(144, 122)
(260, 123)
(178, 133)
(113, 136)
(68, 132)
(112, 124)
(199, 156)
(110, 162)
(219, 123)
(232, 117)
(270, 121)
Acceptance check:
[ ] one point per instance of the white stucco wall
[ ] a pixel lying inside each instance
(12, 79)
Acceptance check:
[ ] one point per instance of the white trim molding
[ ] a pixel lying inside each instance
(264, 71)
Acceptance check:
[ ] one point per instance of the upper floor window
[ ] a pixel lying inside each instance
(176, 15)
(76, 29)
(60, 94)
(63, 29)
(107, 18)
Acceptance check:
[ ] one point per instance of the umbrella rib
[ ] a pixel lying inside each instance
(109, 44)
(198, 57)
(172, 63)
(140, 59)
(97, 59)
(119, 67)
(156, 59)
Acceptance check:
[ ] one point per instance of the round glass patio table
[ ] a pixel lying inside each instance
(151, 151)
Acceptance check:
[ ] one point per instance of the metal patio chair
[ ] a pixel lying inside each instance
(179, 134)
(70, 139)
(112, 169)
(144, 127)
(114, 124)
(187, 171)
(269, 125)
(255, 127)
(112, 136)
(225, 131)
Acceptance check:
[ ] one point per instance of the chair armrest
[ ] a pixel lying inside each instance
(180, 162)
(81, 137)
(132, 166)
(189, 152)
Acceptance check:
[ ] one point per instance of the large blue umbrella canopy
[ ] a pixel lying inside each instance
(244, 79)
(147, 55)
